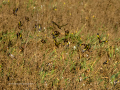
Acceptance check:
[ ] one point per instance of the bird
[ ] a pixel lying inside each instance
(66, 33)
(106, 62)
(87, 47)
(10, 44)
(35, 26)
(55, 34)
(39, 27)
(43, 41)
(56, 43)
(15, 11)
(11, 56)
(21, 48)
(58, 25)
(100, 39)
(27, 19)
(19, 35)
(65, 40)
(0, 38)
(116, 81)
(19, 24)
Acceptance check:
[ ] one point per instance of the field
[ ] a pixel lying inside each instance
(59, 44)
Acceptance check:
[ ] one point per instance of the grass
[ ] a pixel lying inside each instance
(51, 67)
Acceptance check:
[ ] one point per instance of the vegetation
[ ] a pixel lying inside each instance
(60, 45)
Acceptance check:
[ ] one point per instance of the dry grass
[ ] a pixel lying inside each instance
(28, 63)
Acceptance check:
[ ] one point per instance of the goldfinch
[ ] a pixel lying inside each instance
(66, 33)
(43, 41)
(87, 47)
(15, 11)
(58, 25)
(56, 43)
(21, 49)
(19, 24)
(116, 81)
(35, 27)
(27, 19)
(39, 27)
(100, 39)
(65, 40)
(106, 62)
(55, 34)
(9, 44)
(19, 35)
